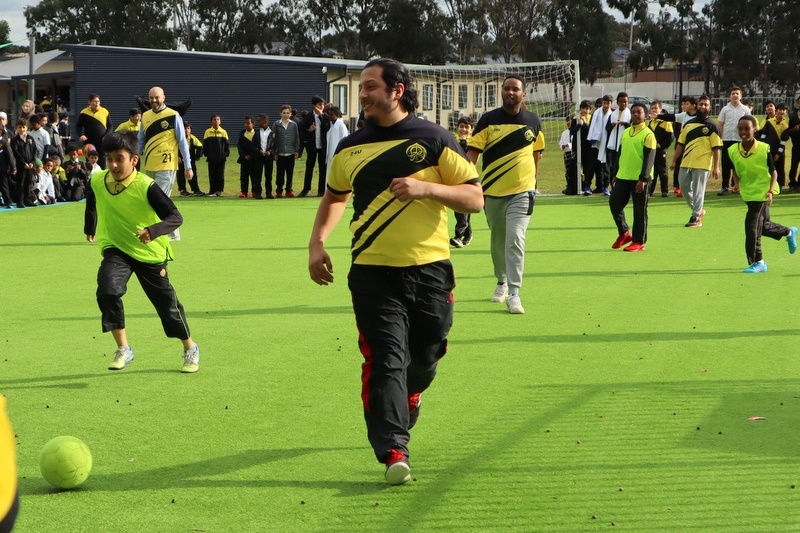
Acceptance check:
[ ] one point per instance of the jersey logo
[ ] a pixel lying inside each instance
(529, 135)
(164, 125)
(416, 153)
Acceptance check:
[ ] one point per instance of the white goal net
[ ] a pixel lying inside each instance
(448, 92)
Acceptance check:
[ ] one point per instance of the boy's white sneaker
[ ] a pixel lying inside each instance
(122, 357)
(514, 305)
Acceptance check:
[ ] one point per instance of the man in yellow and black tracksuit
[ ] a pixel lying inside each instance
(93, 123)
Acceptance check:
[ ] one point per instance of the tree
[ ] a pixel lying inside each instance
(503, 27)
(581, 29)
(110, 22)
(235, 26)
(467, 26)
(411, 31)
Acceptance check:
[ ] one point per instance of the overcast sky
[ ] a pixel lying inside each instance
(11, 10)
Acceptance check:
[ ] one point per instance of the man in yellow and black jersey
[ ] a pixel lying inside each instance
(161, 137)
(132, 124)
(774, 127)
(93, 123)
(699, 145)
(403, 172)
(636, 161)
(510, 141)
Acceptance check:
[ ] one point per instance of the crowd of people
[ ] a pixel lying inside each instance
(42, 140)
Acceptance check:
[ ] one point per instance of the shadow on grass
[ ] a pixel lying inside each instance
(612, 273)
(39, 381)
(45, 244)
(663, 336)
(230, 313)
(206, 474)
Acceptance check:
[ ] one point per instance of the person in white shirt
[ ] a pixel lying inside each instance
(265, 140)
(45, 191)
(599, 138)
(336, 133)
(619, 120)
(570, 163)
(727, 122)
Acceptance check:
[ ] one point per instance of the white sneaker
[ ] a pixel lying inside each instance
(191, 360)
(122, 357)
(500, 293)
(514, 305)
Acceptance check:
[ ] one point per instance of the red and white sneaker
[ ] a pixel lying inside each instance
(634, 247)
(398, 471)
(622, 240)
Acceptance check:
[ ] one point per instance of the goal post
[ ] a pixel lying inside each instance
(446, 93)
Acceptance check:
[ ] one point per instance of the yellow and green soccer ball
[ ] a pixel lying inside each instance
(66, 462)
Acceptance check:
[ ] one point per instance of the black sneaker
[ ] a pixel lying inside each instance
(724, 191)
(694, 222)
(185, 193)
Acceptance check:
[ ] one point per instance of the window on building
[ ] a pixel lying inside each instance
(340, 97)
(447, 97)
(478, 96)
(463, 96)
(491, 96)
(427, 97)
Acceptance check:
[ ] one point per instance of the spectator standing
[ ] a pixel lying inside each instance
(266, 139)
(727, 122)
(285, 151)
(24, 148)
(315, 129)
(249, 168)
(132, 125)
(663, 132)
(94, 122)
(216, 149)
(8, 163)
(195, 152)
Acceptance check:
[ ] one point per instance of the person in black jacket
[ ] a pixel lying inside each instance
(8, 164)
(24, 148)
(249, 164)
(195, 152)
(315, 128)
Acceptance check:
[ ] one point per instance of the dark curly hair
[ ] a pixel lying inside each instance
(394, 73)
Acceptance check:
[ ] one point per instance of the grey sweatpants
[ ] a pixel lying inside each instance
(508, 219)
(165, 179)
(693, 187)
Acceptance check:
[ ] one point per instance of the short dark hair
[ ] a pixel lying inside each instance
(689, 100)
(735, 88)
(639, 104)
(35, 119)
(654, 102)
(335, 110)
(91, 153)
(22, 122)
(599, 101)
(214, 115)
(703, 97)
(585, 103)
(608, 98)
(751, 119)
(621, 94)
(767, 103)
(248, 118)
(782, 105)
(394, 73)
(52, 116)
(264, 116)
(514, 77)
(317, 99)
(47, 160)
(116, 141)
(92, 96)
(466, 119)
(132, 112)
(286, 106)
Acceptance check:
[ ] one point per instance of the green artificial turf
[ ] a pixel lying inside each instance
(620, 399)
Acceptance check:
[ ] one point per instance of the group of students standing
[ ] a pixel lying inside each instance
(280, 144)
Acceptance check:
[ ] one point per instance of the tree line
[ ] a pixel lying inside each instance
(752, 44)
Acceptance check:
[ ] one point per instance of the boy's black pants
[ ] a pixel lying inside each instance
(112, 284)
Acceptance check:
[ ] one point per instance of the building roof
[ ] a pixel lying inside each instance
(20, 67)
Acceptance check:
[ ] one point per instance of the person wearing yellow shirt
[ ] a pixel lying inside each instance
(133, 122)
(637, 158)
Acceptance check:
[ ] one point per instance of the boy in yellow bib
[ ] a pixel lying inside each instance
(130, 217)
(755, 172)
